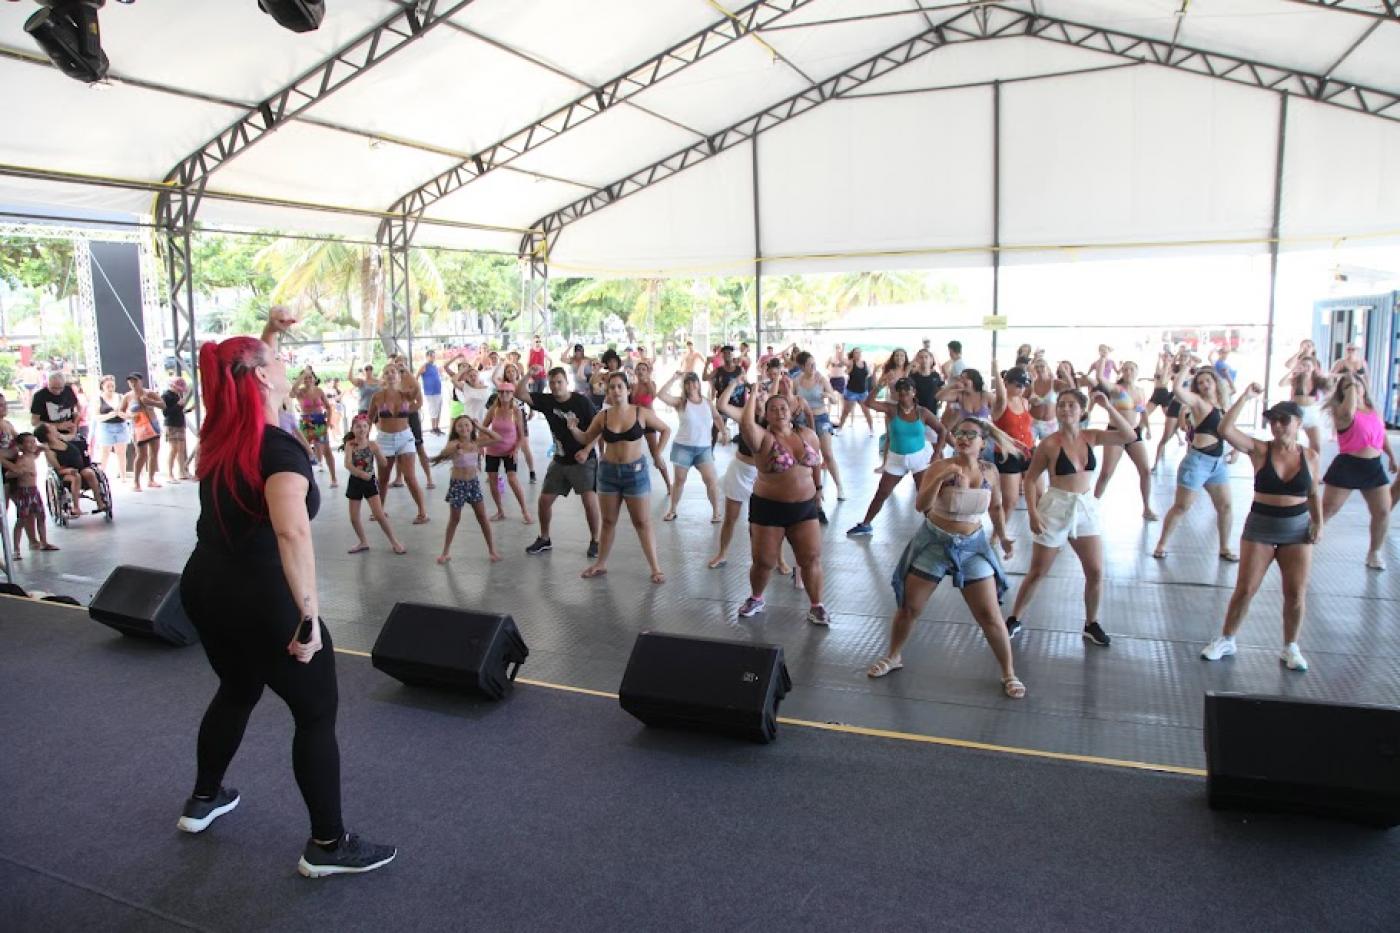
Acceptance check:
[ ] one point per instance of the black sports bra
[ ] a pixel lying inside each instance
(1267, 480)
(1064, 466)
(633, 433)
(1210, 424)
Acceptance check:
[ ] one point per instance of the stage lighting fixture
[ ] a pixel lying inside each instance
(296, 15)
(67, 32)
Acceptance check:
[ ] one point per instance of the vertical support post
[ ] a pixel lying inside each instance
(399, 339)
(758, 254)
(1274, 230)
(87, 304)
(535, 282)
(996, 206)
(175, 214)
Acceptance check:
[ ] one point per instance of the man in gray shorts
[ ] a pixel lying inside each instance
(574, 467)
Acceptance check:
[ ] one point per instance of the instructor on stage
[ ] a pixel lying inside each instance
(250, 590)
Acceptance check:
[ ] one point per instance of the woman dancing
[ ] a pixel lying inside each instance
(1204, 463)
(250, 590)
(644, 394)
(784, 502)
(1171, 412)
(1284, 523)
(1041, 396)
(1068, 513)
(1127, 400)
(954, 495)
(1361, 441)
(113, 431)
(857, 390)
(389, 408)
(315, 414)
(691, 447)
(622, 473)
(1011, 413)
(909, 452)
(1308, 388)
(815, 389)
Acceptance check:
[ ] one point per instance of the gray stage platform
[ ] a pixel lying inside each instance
(1138, 700)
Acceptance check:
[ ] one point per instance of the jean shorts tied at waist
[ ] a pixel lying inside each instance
(934, 553)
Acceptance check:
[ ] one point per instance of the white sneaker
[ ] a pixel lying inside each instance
(1219, 648)
(1375, 560)
(1292, 658)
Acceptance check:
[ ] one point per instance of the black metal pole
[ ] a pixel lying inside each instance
(758, 256)
(1273, 246)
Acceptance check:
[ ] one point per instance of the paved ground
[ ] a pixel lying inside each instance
(1140, 699)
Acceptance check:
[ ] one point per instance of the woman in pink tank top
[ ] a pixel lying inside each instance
(1361, 441)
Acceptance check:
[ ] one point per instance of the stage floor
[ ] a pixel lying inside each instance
(554, 810)
(1139, 700)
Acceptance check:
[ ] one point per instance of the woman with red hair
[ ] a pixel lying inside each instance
(250, 590)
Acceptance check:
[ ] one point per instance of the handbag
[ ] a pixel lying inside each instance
(142, 428)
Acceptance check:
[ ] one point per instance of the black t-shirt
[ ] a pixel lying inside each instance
(73, 456)
(54, 409)
(554, 411)
(926, 389)
(721, 378)
(859, 378)
(174, 409)
(232, 533)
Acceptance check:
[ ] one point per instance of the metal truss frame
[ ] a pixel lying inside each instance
(1390, 9)
(734, 27)
(979, 23)
(396, 235)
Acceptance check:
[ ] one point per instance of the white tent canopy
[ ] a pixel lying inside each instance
(1027, 125)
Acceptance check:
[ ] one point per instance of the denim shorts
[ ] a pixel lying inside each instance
(683, 455)
(934, 553)
(624, 479)
(850, 396)
(1198, 470)
(824, 425)
(394, 443)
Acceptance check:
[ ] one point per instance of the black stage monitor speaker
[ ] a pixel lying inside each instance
(731, 687)
(145, 603)
(1303, 756)
(443, 646)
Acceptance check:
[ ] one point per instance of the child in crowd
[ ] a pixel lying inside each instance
(28, 502)
(463, 448)
(362, 455)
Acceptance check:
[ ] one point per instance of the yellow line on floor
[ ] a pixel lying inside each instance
(872, 733)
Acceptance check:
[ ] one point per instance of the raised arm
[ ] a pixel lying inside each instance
(723, 404)
(1229, 432)
(1120, 430)
(279, 320)
(998, 391)
(586, 438)
(522, 392)
(748, 422)
(670, 398)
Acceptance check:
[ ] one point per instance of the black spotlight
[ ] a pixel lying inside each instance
(67, 32)
(296, 15)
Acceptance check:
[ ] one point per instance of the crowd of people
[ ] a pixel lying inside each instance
(975, 445)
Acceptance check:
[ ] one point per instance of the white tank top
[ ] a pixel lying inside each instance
(694, 430)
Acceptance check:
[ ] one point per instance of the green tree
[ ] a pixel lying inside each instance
(857, 289)
(484, 284)
(43, 265)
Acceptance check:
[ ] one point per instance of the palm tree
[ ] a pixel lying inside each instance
(867, 289)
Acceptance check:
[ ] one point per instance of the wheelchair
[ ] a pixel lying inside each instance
(59, 497)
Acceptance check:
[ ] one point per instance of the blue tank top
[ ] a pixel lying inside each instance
(432, 381)
(906, 437)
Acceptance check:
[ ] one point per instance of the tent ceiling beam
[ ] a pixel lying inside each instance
(1352, 48)
(914, 9)
(618, 90)
(332, 73)
(980, 23)
(1388, 9)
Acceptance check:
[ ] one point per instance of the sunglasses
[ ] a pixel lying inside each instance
(967, 435)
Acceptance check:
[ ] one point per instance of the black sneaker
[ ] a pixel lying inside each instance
(1098, 636)
(541, 545)
(1013, 626)
(351, 856)
(532, 476)
(592, 550)
(200, 813)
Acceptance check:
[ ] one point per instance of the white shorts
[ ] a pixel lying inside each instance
(1312, 415)
(900, 464)
(432, 406)
(1066, 516)
(1040, 430)
(393, 443)
(738, 480)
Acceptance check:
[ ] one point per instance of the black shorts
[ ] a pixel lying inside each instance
(415, 424)
(361, 489)
(773, 513)
(1137, 439)
(1013, 463)
(1161, 396)
(1173, 408)
(494, 463)
(1351, 472)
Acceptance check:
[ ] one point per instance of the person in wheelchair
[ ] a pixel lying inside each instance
(68, 458)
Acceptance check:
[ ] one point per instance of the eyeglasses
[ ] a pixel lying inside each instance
(966, 435)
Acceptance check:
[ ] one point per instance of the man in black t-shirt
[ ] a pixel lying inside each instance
(727, 372)
(55, 404)
(574, 467)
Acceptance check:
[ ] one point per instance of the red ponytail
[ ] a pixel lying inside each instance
(230, 440)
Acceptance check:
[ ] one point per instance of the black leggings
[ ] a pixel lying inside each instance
(247, 647)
